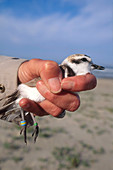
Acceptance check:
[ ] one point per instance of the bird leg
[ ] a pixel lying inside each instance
(36, 128)
(24, 125)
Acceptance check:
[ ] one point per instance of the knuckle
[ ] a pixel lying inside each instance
(50, 96)
(74, 105)
(55, 111)
(49, 65)
(33, 61)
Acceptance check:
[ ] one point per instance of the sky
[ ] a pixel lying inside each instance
(55, 29)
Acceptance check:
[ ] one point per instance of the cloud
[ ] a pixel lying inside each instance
(90, 27)
(57, 27)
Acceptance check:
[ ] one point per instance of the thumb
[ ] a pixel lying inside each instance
(49, 72)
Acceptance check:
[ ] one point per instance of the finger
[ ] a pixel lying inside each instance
(30, 106)
(40, 109)
(50, 108)
(49, 72)
(64, 100)
(79, 83)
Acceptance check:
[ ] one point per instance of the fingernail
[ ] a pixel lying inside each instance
(68, 85)
(24, 105)
(54, 84)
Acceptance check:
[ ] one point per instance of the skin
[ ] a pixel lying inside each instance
(57, 91)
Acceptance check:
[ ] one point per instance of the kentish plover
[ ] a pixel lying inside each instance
(74, 65)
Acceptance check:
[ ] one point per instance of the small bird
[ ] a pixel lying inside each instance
(74, 65)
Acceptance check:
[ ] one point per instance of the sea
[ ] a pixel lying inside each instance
(107, 73)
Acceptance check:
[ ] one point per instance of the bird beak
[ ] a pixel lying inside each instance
(94, 66)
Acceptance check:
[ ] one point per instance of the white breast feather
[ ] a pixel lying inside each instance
(29, 92)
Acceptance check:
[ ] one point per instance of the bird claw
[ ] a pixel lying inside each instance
(35, 133)
(23, 130)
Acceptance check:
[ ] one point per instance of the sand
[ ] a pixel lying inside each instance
(82, 140)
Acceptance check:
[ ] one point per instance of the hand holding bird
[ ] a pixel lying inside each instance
(47, 70)
(52, 94)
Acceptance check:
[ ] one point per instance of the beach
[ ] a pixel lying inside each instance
(82, 140)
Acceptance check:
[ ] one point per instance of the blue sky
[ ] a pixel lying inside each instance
(54, 29)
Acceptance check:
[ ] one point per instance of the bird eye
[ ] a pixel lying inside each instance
(75, 61)
(84, 59)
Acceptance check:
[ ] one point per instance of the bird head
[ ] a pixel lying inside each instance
(79, 64)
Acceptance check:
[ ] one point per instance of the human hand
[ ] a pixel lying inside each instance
(51, 86)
